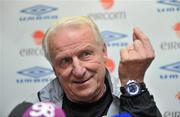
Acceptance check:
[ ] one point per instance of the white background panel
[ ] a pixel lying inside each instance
(19, 51)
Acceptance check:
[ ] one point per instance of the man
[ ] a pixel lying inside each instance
(77, 53)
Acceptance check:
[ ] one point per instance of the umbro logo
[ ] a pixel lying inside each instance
(38, 10)
(109, 36)
(35, 72)
(170, 2)
(175, 67)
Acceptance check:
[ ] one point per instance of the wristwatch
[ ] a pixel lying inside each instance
(133, 88)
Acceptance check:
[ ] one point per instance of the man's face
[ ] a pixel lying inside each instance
(79, 63)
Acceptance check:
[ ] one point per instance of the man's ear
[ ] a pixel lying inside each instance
(105, 49)
(105, 52)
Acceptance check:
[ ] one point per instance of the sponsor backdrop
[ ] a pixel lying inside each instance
(1, 56)
(25, 70)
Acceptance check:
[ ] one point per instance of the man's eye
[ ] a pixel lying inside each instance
(85, 54)
(65, 61)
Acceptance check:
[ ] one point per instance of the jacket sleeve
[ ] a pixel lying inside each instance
(142, 105)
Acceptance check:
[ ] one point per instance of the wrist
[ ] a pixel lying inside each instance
(125, 81)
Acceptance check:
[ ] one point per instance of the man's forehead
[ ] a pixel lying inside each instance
(72, 40)
(70, 51)
(72, 37)
(72, 32)
(76, 48)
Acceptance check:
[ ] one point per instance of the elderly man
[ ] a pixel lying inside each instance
(82, 87)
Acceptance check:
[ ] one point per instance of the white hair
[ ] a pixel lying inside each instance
(69, 21)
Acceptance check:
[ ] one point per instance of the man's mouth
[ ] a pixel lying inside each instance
(82, 81)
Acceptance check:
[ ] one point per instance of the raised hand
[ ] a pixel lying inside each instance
(136, 58)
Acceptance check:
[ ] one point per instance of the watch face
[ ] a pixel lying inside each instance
(132, 88)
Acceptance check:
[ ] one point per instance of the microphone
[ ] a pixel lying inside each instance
(20, 109)
(124, 114)
(40, 109)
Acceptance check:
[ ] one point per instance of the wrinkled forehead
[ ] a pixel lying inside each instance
(70, 40)
(72, 36)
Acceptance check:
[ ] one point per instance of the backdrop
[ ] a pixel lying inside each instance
(24, 69)
(1, 57)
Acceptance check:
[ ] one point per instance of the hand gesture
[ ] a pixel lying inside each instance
(136, 58)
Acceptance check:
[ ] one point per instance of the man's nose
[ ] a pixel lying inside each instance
(78, 68)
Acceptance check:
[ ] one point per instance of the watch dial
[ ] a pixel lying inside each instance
(132, 88)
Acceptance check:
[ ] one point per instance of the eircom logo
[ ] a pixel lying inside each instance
(38, 37)
(107, 4)
(110, 64)
(178, 96)
(171, 114)
(109, 13)
(176, 28)
(38, 12)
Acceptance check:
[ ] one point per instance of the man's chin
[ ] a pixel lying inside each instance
(84, 98)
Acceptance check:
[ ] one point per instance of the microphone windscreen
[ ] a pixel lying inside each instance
(124, 114)
(44, 109)
(20, 109)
